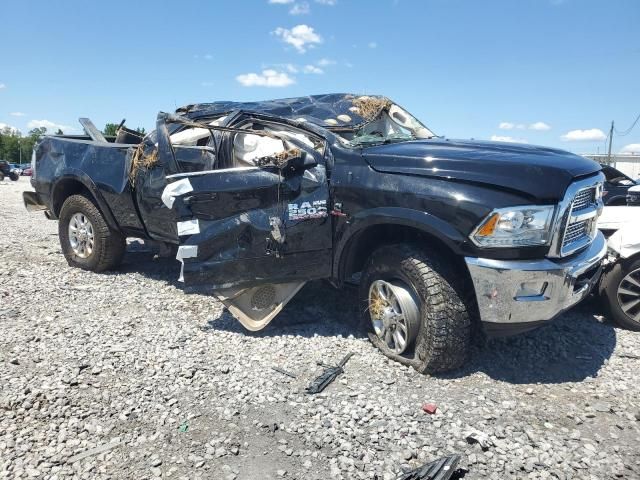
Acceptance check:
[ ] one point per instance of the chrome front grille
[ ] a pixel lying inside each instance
(581, 222)
(575, 232)
(584, 199)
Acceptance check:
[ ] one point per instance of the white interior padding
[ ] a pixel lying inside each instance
(190, 136)
(247, 148)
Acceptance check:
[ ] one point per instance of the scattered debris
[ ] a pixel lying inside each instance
(328, 376)
(94, 451)
(482, 439)
(142, 159)
(284, 372)
(441, 469)
(370, 107)
(429, 408)
(184, 426)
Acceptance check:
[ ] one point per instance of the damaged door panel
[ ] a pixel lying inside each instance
(255, 234)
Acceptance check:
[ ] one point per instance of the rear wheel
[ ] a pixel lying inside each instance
(1, 176)
(413, 309)
(621, 293)
(86, 240)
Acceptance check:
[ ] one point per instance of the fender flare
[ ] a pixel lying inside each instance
(84, 179)
(419, 220)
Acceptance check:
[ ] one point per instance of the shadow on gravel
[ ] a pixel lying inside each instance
(318, 309)
(144, 260)
(570, 349)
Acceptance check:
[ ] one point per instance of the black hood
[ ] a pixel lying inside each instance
(540, 172)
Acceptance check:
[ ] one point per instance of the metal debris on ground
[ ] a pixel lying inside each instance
(482, 439)
(284, 372)
(441, 469)
(429, 408)
(328, 376)
(93, 451)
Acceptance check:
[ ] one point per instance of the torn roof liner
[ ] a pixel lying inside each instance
(330, 111)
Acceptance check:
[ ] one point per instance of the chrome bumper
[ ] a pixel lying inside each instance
(533, 291)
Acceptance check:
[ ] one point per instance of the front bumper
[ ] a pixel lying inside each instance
(515, 296)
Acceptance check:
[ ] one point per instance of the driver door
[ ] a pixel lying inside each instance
(254, 233)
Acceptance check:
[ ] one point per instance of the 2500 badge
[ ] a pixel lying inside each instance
(307, 210)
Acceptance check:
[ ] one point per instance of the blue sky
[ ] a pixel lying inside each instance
(550, 72)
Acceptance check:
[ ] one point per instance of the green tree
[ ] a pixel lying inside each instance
(110, 130)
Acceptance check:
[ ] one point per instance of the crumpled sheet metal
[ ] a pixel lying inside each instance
(329, 111)
(230, 217)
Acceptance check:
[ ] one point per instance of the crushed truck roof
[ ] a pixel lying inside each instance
(329, 110)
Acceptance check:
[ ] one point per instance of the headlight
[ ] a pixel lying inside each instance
(515, 227)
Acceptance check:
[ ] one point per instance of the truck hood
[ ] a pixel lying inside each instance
(539, 172)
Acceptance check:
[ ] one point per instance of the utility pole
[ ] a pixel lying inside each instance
(610, 142)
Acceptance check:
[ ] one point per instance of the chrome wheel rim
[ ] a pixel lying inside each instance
(395, 315)
(629, 295)
(81, 237)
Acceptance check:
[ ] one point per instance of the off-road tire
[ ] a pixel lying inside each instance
(14, 177)
(109, 245)
(609, 293)
(443, 341)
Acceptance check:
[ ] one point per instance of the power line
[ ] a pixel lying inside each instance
(628, 130)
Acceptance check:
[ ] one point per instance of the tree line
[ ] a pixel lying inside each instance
(14, 146)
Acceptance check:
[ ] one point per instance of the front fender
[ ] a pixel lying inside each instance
(420, 220)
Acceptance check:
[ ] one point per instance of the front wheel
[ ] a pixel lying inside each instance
(14, 176)
(621, 293)
(86, 240)
(413, 309)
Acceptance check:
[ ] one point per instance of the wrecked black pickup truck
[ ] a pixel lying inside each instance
(442, 235)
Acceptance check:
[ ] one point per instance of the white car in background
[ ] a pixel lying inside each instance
(620, 283)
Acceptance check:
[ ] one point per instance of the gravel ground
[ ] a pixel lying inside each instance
(124, 375)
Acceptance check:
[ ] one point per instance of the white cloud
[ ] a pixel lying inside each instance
(281, 2)
(268, 78)
(17, 114)
(49, 125)
(301, 37)
(312, 69)
(2, 85)
(300, 9)
(11, 128)
(593, 135)
(631, 148)
(325, 62)
(372, 45)
(502, 138)
(540, 126)
(331, 3)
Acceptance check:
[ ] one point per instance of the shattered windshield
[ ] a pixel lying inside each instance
(385, 122)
